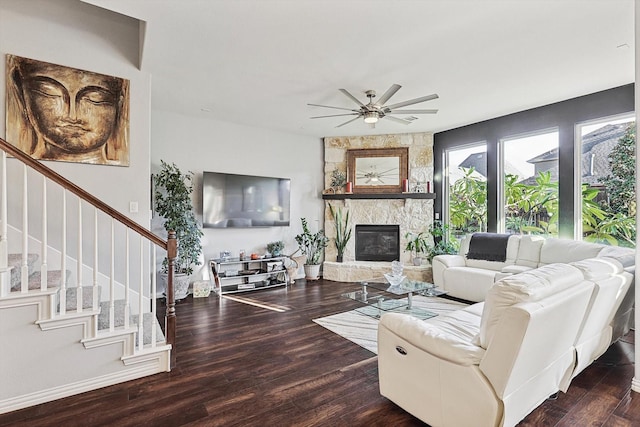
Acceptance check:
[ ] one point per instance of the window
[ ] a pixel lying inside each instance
(529, 188)
(466, 189)
(605, 170)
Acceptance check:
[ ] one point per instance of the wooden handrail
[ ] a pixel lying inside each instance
(65, 183)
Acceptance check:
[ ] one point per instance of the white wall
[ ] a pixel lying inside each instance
(71, 33)
(197, 145)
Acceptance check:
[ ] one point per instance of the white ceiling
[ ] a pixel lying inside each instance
(259, 62)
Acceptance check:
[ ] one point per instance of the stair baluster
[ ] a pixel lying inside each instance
(127, 284)
(24, 273)
(63, 256)
(4, 249)
(79, 261)
(44, 267)
(95, 260)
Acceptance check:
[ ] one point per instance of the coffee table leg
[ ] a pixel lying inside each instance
(410, 300)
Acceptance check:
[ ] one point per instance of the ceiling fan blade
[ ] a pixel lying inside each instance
(397, 120)
(353, 98)
(388, 94)
(334, 115)
(346, 123)
(328, 106)
(413, 111)
(411, 101)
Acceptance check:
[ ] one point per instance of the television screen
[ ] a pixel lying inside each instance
(230, 200)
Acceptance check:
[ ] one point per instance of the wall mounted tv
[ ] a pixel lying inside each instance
(230, 200)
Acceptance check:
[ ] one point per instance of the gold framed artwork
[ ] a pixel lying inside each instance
(67, 114)
(380, 170)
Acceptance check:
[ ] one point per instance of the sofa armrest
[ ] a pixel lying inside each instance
(431, 339)
(440, 263)
(449, 261)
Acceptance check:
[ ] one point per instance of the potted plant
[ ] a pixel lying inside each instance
(275, 248)
(418, 244)
(172, 201)
(343, 231)
(311, 245)
(443, 244)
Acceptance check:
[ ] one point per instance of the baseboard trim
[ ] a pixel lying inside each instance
(145, 368)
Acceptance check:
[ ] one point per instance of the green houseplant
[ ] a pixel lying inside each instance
(275, 248)
(172, 201)
(443, 244)
(417, 243)
(311, 245)
(343, 230)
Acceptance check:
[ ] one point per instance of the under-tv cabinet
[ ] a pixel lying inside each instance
(231, 275)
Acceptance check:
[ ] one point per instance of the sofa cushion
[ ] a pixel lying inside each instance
(529, 251)
(598, 268)
(566, 251)
(529, 286)
(626, 256)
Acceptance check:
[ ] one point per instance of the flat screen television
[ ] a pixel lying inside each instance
(231, 200)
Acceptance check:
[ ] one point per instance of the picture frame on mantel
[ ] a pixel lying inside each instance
(377, 170)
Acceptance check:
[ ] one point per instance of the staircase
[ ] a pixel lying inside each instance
(73, 318)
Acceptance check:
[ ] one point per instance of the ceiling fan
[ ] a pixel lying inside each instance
(374, 111)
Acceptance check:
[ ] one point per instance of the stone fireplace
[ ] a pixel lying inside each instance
(408, 214)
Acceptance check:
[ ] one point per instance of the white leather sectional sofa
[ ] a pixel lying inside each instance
(493, 362)
(471, 279)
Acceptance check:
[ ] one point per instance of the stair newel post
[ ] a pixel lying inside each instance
(170, 317)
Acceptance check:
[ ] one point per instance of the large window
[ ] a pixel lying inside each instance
(605, 169)
(529, 186)
(567, 193)
(466, 186)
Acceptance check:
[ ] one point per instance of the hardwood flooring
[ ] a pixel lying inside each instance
(242, 365)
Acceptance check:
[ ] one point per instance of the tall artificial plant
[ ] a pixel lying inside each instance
(172, 194)
(311, 244)
(343, 230)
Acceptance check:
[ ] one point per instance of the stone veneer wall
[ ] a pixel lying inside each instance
(411, 214)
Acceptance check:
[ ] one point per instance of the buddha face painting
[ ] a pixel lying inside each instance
(71, 114)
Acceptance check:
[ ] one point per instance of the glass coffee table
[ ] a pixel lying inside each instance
(379, 297)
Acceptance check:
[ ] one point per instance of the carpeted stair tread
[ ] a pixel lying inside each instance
(87, 297)
(148, 320)
(15, 261)
(54, 279)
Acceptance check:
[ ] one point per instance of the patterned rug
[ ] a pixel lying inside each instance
(363, 330)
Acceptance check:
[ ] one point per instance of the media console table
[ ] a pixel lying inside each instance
(230, 275)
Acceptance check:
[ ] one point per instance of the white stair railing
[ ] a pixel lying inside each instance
(123, 278)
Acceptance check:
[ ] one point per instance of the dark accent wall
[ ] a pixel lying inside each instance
(562, 116)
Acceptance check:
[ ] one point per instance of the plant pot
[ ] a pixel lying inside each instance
(417, 261)
(312, 271)
(180, 285)
(339, 258)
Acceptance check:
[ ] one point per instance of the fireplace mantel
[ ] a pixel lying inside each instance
(345, 196)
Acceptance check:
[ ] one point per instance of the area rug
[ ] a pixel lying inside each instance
(363, 330)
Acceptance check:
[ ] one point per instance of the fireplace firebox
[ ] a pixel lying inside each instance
(377, 242)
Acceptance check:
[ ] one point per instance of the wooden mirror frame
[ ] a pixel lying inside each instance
(371, 155)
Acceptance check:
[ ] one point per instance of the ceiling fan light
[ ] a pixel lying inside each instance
(370, 117)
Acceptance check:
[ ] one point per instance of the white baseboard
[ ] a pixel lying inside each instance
(144, 368)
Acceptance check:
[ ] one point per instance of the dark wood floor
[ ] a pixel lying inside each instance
(240, 365)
